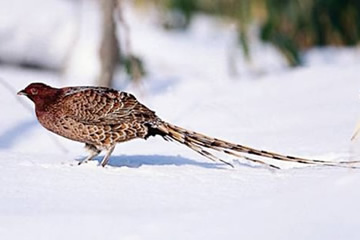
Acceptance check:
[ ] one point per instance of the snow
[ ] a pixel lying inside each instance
(37, 31)
(158, 190)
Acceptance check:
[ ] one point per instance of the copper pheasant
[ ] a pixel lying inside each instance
(102, 117)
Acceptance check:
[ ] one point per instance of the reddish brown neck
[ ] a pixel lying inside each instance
(45, 99)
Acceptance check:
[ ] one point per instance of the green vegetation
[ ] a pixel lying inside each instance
(290, 25)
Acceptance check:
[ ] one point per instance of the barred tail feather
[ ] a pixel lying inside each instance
(200, 143)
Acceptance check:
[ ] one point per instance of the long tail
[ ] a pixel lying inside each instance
(201, 143)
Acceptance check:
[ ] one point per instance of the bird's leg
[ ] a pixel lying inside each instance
(93, 153)
(105, 160)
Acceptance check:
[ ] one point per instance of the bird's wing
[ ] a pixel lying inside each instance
(104, 106)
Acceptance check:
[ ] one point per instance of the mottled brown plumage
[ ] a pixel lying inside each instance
(102, 117)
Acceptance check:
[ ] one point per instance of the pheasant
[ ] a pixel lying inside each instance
(102, 117)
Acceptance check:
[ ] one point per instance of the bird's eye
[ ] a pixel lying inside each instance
(34, 91)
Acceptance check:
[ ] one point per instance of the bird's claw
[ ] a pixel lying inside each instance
(81, 162)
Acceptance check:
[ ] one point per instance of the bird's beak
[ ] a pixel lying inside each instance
(357, 131)
(22, 92)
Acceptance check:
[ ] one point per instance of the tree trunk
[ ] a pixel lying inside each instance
(109, 48)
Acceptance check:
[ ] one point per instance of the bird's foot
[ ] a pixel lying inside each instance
(101, 165)
(81, 162)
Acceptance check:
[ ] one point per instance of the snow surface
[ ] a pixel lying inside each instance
(159, 190)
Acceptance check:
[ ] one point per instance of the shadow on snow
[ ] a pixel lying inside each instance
(136, 161)
(11, 135)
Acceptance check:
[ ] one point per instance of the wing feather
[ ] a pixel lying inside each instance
(104, 106)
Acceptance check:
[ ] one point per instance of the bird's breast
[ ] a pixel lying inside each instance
(102, 136)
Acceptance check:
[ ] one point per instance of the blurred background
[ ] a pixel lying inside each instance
(106, 42)
(260, 67)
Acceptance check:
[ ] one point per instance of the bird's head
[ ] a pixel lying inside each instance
(40, 93)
